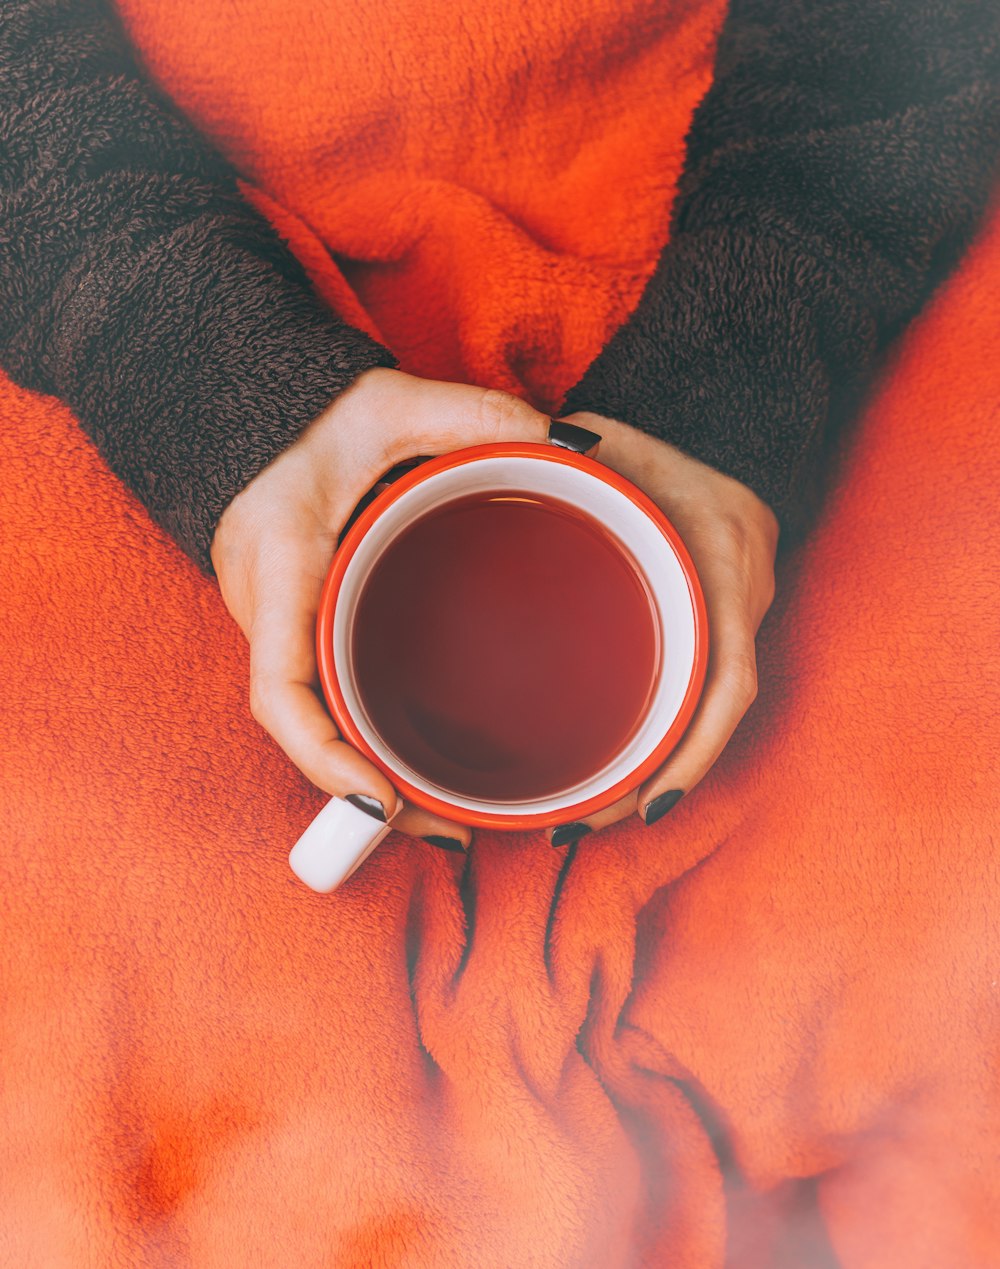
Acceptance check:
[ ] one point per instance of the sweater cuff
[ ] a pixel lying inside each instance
(194, 363)
(722, 359)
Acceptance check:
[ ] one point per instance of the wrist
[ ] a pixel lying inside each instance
(335, 440)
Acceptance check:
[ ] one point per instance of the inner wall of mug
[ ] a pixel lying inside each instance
(641, 537)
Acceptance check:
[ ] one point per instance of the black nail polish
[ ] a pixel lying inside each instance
(567, 833)
(569, 436)
(661, 805)
(447, 843)
(370, 806)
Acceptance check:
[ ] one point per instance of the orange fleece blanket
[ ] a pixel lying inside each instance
(763, 1032)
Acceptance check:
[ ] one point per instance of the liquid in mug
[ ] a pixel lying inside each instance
(505, 646)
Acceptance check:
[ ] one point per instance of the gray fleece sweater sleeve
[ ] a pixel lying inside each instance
(834, 172)
(138, 286)
(837, 166)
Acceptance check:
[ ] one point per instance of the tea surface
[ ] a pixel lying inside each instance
(505, 647)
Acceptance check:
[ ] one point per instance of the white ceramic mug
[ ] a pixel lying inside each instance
(549, 472)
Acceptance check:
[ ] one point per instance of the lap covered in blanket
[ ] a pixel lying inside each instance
(761, 1032)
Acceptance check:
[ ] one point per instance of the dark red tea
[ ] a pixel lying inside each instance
(505, 647)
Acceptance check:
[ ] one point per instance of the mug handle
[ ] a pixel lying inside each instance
(335, 844)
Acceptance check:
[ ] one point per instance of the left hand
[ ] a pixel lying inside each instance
(732, 537)
(274, 542)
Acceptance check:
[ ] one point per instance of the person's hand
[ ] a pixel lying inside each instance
(732, 536)
(274, 543)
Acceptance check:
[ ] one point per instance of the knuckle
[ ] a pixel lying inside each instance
(389, 445)
(497, 410)
(741, 677)
(261, 699)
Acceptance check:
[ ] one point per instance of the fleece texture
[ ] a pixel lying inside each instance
(834, 171)
(138, 285)
(761, 1033)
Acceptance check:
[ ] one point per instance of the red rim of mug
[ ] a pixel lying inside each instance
(440, 806)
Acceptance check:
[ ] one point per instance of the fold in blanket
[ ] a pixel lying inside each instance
(761, 1033)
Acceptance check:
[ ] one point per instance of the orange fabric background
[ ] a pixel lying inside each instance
(761, 1033)
(494, 180)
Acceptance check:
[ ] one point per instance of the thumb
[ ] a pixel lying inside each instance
(468, 415)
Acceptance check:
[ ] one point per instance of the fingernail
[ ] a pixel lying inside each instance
(567, 833)
(656, 809)
(447, 843)
(569, 436)
(370, 806)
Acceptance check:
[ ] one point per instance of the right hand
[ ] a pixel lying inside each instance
(274, 543)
